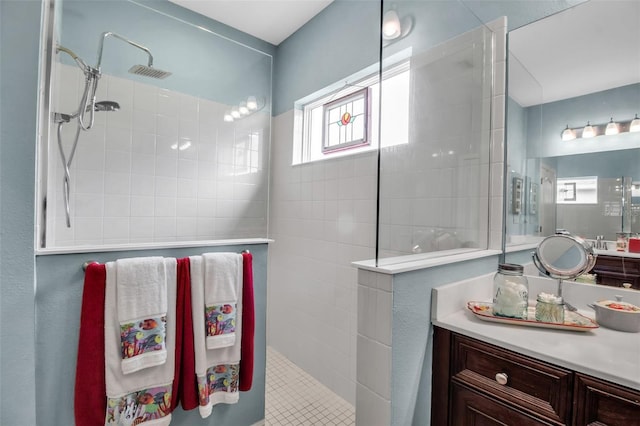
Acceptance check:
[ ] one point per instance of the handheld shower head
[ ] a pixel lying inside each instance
(106, 106)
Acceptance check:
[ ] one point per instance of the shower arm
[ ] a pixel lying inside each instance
(132, 43)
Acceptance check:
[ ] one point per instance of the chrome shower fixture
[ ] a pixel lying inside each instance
(144, 70)
(106, 106)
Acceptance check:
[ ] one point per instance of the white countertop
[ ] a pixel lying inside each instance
(607, 354)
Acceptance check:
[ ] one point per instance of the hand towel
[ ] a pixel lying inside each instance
(217, 370)
(185, 386)
(142, 312)
(248, 323)
(143, 396)
(222, 276)
(89, 393)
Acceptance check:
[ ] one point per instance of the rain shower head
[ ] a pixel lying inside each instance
(106, 106)
(144, 70)
(149, 71)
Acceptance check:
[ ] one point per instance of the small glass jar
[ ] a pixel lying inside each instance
(510, 292)
(549, 308)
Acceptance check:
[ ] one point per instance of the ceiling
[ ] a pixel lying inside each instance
(270, 20)
(591, 47)
(588, 48)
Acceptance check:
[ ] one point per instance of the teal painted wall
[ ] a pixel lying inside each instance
(224, 68)
(19, 41)
(37, 367)
(58, 304)
(412, 350)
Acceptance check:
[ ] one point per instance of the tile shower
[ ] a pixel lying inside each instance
(164, 167)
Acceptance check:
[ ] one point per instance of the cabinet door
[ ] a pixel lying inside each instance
(532, 385)
(470, 408)
(601, 403)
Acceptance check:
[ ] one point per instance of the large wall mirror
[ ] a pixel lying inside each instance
(576, 68)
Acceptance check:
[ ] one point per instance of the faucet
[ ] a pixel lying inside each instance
(601, 244)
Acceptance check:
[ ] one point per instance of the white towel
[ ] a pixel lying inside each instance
(142, 311)
(143, 396)
(217, 370)
(222, 276)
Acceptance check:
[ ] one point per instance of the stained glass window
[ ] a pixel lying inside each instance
(346, 121)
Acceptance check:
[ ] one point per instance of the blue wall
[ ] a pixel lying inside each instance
(412, 350)
(19, 41)
(621, 103)
(203, 64)
(58, 303)
(41, 376)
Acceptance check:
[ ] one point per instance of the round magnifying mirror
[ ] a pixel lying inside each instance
(564, 256)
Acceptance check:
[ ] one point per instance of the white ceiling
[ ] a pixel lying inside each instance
(589, 48)
(269, 20)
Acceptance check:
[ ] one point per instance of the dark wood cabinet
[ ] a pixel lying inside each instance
(617, 270)
(599, 403)
(475, 383)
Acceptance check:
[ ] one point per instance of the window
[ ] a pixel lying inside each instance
(346, 122)
(577, 190)
(344, 119)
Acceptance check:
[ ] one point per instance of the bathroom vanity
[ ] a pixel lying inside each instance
(616, 268)
(475, 382)
(489, 374)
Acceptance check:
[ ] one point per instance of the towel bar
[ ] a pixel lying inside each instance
(89, 262)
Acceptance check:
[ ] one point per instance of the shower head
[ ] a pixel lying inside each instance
(144, 70)
(106, 106)
(149, 71)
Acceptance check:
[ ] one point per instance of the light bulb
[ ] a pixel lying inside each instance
(635, 125)
(612, 128)
(242, 109)
(568, 134)
(228, 117)
(391, 25)
(588, 131)
(252, 103)
(235, 113)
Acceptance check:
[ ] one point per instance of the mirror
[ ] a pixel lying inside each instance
(564, 256)
(578, 66)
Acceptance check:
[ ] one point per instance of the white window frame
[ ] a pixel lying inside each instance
(304, 150)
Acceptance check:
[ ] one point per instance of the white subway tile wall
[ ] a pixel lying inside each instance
(322, 218)
(165, 167)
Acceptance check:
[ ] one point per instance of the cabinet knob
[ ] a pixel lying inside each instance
(502, 378)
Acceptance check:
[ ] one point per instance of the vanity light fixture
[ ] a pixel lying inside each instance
(609, 129)
(634, 126)
(612, 128)
(252, 103)
(244, 109)
(568, 134)
(587, 132)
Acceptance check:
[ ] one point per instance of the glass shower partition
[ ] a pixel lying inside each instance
(182, 158)
(435, 160)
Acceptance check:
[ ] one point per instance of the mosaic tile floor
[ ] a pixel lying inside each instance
(294, 398)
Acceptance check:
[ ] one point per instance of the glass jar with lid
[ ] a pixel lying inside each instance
(510, 291)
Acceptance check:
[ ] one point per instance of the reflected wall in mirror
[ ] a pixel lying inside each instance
(578, 66)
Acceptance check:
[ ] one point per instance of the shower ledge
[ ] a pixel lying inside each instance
(401, 264)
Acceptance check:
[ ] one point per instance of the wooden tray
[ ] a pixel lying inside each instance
(573, 321)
